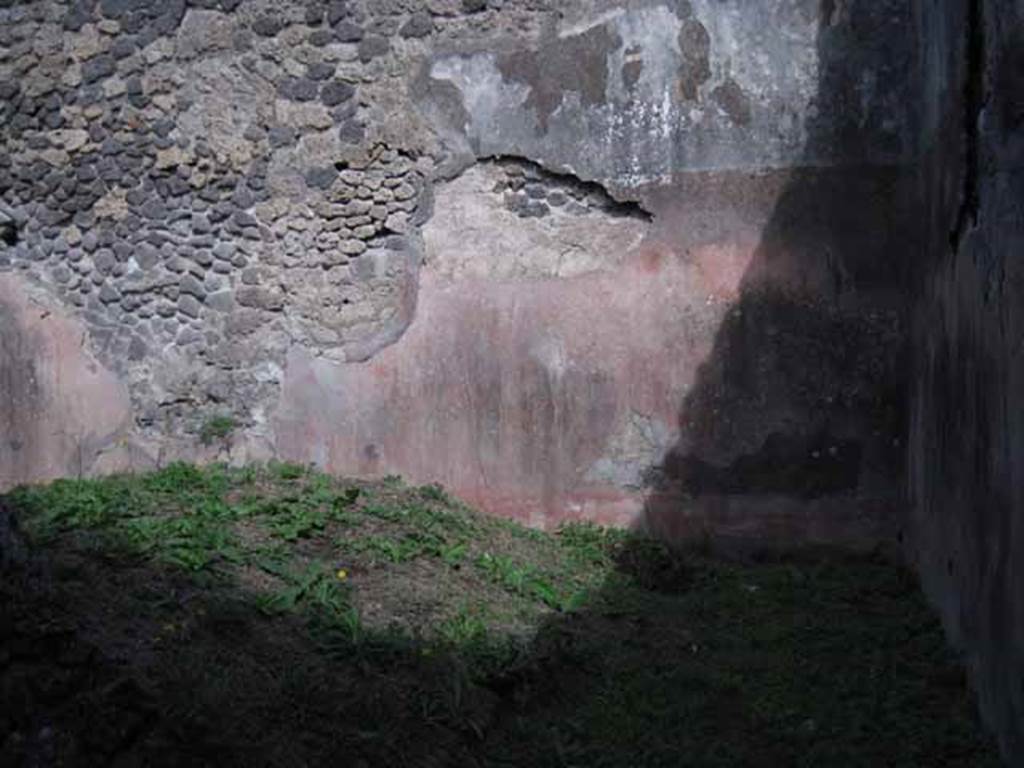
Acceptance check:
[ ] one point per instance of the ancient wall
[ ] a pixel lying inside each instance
(967, 417)
(648, 262)
(633, 261)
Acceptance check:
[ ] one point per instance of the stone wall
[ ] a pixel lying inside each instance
(627, 261)
(967, 426)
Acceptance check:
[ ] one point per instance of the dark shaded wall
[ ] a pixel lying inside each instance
(797, 417)
(966, 449)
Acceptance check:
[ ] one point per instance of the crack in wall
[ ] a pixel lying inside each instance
(975, 99)
(8, 234)
(9, 227)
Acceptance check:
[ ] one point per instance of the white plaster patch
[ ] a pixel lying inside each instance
(588, 24)
(549, 352)
(653, 35)
(488, 97)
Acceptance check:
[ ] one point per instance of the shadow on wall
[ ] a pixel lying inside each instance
(803, 401)
(796, 419)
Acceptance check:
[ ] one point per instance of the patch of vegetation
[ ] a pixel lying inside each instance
(302, 515)
(273, 615)
(284, 471)
(589, 543)
(318, 587)
(217, 428)
(522, 580)
(463, 630)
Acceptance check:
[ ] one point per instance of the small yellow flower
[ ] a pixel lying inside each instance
(342, 574)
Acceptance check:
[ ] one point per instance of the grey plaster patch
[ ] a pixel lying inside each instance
(708, 86)
(639, 443)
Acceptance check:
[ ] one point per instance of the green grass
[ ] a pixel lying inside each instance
(521, 580)
(217, 428)
(394, 625)
(317, 587)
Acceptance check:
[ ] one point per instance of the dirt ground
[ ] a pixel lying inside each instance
(503, 648)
